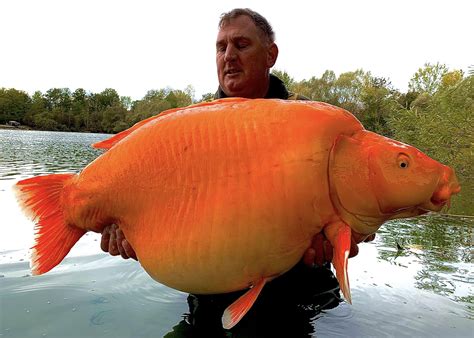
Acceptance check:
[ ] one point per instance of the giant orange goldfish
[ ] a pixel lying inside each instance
(227, 195)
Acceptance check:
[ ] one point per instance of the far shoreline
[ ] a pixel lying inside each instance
(27, 128)
(5, 126)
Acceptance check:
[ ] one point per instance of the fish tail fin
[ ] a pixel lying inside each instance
(339, 235)
(40, 199)
(235, 311)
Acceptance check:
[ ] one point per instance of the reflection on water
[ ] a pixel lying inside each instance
(415, 279)
(442, 247)
(26, 153)
(89, 296)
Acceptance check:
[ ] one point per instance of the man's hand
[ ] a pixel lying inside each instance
(320, 251)
(114, 242)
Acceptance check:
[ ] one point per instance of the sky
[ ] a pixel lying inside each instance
(136, 46)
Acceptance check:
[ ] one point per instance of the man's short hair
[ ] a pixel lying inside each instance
(257, 19)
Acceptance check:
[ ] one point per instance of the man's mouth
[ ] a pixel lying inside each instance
(231, 71)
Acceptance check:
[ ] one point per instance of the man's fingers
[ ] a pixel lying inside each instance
(318, 247)
(370, 238)
(328, 251)
(354, 248)
(309, 256)
(113, 250)
(119, 242)
(105, 240)
(129, 250)
(114, 242)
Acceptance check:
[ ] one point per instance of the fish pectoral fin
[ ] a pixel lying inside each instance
(339, 235)
(235, 311)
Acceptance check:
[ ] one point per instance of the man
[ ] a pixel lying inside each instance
(245, 53)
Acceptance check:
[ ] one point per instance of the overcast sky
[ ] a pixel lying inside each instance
(135, 46)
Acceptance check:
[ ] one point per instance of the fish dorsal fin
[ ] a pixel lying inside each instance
(110, 142)
(235, 311)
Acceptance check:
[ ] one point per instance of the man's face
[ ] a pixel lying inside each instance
(243, 58)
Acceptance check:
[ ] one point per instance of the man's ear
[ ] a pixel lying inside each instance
(272, 55)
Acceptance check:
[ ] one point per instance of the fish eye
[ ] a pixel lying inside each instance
(403, 161)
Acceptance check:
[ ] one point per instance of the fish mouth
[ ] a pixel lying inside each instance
(434, 205)
(441, 197)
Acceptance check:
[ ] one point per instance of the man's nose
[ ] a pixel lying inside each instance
(230, 53)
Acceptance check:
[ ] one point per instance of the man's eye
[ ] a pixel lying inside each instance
(242, 45)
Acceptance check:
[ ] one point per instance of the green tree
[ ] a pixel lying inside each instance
(318, 89)
(38, 106)
(79, 100)
(14, 104)
(379, 101)
(406, 99)
(38, 103)
(58, 99)
(207, 97)
(156, 101)
(45, 121)
(107, 98)
(59, 103)
(284, 76)
(348, 89)
(179, 98)
(428, 79)
(113, 119)
(452, 78)
(153, 103)
(126, 102)
(80, 110)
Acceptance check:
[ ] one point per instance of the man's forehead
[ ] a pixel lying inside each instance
(234, 37)
(241, 27)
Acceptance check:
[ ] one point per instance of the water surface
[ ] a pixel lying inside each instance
(415, 279)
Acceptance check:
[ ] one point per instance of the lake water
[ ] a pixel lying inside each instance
(425, 289)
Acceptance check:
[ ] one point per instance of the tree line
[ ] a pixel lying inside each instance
(435, 114)
(60, 109)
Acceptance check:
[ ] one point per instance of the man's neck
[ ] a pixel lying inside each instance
(275, 90)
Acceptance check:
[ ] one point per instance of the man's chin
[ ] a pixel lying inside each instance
(234, 90)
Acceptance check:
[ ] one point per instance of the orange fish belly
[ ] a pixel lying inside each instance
(213, 198)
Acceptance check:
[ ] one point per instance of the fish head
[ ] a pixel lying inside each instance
(374, 178)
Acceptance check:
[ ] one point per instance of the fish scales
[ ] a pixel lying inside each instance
(240, 139)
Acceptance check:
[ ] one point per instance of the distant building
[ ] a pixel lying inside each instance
(13, 123)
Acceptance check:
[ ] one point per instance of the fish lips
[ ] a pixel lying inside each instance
(441, 197)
